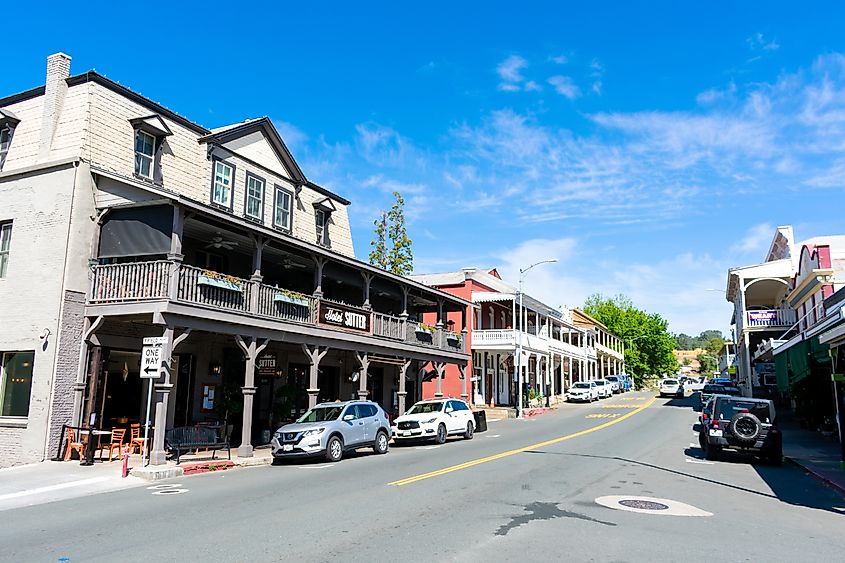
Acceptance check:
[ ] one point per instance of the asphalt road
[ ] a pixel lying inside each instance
(524, 490)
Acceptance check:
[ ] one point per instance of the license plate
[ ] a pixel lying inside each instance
(287, 448)
(717, 433)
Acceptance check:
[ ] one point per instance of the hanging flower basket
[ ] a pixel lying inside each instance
(213, 279)
(291, 297)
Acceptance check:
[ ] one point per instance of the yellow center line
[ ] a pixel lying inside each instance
(465, 465)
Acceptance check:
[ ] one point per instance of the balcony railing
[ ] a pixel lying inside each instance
(770, 318)
(144, 281)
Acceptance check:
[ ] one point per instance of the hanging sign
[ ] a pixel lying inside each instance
(343, 316)
(266, 365)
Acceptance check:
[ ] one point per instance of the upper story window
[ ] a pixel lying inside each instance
(283, 209)
(144, 154)
(221, 188)
(322, 218)
(5, 244)
(254, 205)
(8, 122)
(150, 133)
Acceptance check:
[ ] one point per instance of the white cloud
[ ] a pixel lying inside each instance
(532, 86)
(559, 59)
(596, 87)
(757, 42)
(714, 95)
(292, 135)
(756, 240)
(510, 71)
(564, 86)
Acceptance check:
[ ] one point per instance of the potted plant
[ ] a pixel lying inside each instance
(423, 328)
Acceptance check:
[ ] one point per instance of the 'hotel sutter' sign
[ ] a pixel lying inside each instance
(344, 316)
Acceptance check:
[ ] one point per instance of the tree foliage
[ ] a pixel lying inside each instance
(399, 258)
(708, 339)
(648, 343)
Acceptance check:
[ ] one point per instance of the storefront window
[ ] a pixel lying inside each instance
(15, 383)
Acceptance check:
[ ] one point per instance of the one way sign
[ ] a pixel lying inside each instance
(151, 358)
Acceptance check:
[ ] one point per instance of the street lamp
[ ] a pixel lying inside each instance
(522, 272)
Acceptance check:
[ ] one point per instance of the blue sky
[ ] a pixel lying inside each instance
(647, 146)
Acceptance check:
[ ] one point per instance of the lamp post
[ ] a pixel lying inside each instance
(522, 272)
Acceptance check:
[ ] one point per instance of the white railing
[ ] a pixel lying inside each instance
(493, 337)
(766, 318)
(388, 326)
(135, 281)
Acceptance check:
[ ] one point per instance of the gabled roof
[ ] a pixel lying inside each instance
(153, 124)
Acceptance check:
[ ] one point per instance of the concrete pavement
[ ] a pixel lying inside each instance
(538, 503)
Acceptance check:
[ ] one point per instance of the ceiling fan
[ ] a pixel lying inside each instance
(217, 241)
(287, 263)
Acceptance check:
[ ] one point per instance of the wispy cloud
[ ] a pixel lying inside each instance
(756, 239)
(510, 73)
(564, 86)
(758, 42)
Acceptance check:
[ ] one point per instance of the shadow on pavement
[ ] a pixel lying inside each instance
(692, 402)
(788, 484)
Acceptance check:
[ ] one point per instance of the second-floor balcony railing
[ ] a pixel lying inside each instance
(769, 318)
(147, 281)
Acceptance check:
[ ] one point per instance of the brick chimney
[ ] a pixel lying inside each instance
(58, 70)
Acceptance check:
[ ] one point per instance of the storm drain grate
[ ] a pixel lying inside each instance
(643, 504)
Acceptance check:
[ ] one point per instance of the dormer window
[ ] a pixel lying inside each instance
(221, 183)
(254, 204)
(150, 133)
(322, 213)
(8, 122)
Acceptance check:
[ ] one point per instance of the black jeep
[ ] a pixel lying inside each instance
(742, 424)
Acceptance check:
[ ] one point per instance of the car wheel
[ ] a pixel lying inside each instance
(440, 437)
(470, 431)
(334, 449)
(381, 444)
(711, 452)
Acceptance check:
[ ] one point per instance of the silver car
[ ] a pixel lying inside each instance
(329, 429)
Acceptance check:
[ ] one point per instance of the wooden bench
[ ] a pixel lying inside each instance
(184, 438)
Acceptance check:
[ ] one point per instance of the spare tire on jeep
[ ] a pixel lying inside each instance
(745, 427)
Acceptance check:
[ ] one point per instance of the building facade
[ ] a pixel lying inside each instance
(121, 220)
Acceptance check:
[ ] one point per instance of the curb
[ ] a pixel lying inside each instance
(253, 461)
(816, 475)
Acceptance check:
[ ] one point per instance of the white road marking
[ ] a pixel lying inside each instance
(426, 447)
(693, 445)
(495, 436)
(672, 507)
(314, 466)
(158, 487)
(50, 488)
(699, 461)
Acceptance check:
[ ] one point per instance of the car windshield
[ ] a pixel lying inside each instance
(611, 378)
(582, 385)
(421, 408)
(670, 382)
(730, 408)
(732, 391)
(321, 414)
(714, 388)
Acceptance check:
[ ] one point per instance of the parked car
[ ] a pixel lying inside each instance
(711, 389)
(721, 381)
(693, 384)
(615, 384)
(671, 388)
(330, 429)
(605, 390)
(583, 391)
(435, 420)
(742, 424)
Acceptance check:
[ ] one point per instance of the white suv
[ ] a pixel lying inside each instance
(435, 419)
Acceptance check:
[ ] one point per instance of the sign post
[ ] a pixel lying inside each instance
(150, 369)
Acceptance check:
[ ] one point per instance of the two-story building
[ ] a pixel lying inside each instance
(121, 219)
(608, 349)
(555, 352)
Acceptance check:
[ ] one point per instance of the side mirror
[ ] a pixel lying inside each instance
(449, 410)
(348, 417)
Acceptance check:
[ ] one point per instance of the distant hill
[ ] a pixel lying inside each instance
(687, 342)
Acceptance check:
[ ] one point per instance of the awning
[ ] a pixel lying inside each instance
(136, 231)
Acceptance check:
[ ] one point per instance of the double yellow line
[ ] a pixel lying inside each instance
(453, 468)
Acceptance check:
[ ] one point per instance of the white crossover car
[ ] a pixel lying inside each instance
(605, 388)
(583, 391)
(671, 388)
(435, 420)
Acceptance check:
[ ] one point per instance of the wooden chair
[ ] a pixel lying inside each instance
(135, 439)
(73, 445)
(116, 443)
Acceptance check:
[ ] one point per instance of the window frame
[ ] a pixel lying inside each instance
(3, 383)
(214, 161)
(5, 226)
(322, 231)
(4, 153)
(277, 188)
(151, 176)
(260, 217)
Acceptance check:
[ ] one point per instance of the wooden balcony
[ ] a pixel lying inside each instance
(769, 318)
(163, 280)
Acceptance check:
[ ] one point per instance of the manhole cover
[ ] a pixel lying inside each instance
(649, 505)
(170, 491)
(643, 504)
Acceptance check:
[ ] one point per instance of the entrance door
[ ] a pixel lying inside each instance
(184, 390)
(375, 385)
(328, 381)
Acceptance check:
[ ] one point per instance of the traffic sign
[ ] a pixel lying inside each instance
(151, 359)
(155, 340)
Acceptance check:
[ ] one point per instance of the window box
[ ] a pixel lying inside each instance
(218, 281)
(424, 329)
(291, 298)
(453, 337)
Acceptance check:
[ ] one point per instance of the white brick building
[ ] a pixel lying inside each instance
(121, 219)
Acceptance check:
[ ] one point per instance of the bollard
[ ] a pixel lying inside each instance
(125, 471)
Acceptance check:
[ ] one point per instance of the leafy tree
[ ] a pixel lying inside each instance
(707, 363)
(400, 258)
(648, 343)
(707, 340)
(378, 255)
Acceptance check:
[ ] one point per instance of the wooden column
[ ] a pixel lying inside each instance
(251, 349)
(368, 279)
(314, 355)
(319, 262)
(364, 362)
(464, 394)
(440, 367)
(403, 374)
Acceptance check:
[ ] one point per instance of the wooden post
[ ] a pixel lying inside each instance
(364, 361)
(314, 355)
(403, 373)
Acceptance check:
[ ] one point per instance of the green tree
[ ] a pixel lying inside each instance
(707, 362)
(378, 255)
(648, 343)
(400, 259)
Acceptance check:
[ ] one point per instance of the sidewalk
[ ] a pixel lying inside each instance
(818, 455)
